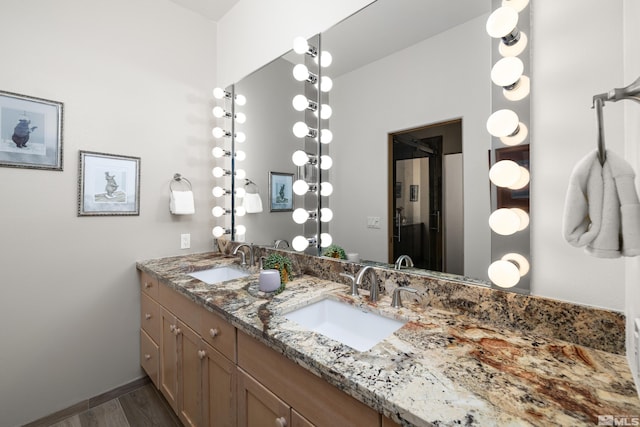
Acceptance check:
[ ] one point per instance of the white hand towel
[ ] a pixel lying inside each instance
(606, 244)
(182, 203)
(624, 177)
(252, 202)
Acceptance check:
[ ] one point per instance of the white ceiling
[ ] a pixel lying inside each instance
(211, 9)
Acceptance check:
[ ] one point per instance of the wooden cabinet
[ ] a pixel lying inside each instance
(169, 357)
(218, 387)
(258, 407)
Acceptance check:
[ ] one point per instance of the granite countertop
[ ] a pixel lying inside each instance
(441, 368)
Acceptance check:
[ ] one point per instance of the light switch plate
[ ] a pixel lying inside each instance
(185, 241)
(373, 222)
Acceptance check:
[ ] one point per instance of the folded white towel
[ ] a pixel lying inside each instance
(182, 203)
(602, 211)
(252, 202)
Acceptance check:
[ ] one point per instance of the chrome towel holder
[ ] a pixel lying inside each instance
(177, 178)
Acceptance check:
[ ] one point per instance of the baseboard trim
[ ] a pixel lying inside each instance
(92, 402)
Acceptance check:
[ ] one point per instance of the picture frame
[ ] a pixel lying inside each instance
(413, 193)
(30, 132)
(398, 190)
(506, 197)
(280, 192)
(108, 184)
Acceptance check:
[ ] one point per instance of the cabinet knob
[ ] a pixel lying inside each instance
(147, 285)
(202, 354)
(213, 332)
(147, 316)
(147, 356)
(281, 422)
(177, 331)
(172, 328)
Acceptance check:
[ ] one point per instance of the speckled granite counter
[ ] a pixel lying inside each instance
(441, 368)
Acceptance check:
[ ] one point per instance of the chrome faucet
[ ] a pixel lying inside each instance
(276, 245)
(244, 258)
(396, 301)
(401, 258)
(373, 290)
(354, 287)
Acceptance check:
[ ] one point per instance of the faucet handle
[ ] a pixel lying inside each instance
(354, 287)
(396, 301)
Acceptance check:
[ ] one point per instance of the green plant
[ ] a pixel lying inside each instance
(335, 251)
(280, 263)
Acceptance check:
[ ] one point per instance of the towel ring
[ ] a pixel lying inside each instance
(177, 178)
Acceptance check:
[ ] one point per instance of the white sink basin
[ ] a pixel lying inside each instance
(342, 322)
(218, 274)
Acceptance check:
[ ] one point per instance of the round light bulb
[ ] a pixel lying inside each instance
(523, 264)
(241, 100)
(524, 218)
(218, 172)
(325, 162)
(218, 112)
(218, 231)
(300, 216)
(241, 118)
(300, 72)
(523, 181)
(241, 174)
(300, 158)
(300, 187)
(218, 132)
(502, 123)
(507, 71)
(504, 173)
(218, 152)
(502, 22)
(300, 102)
(326, 214)
(241, 137)
(326, 59)
(326, 136)
(300, 243)
(325, 111)
(241, 211)
(504, 274)
(516, 48)
(300, 45)
(518, 5)
(326, 84)
(520, 91)
(325, 240)
(300, 129)
(326, 189)
(218, 192)
(516, 138)
(241, 229)
(240, 155)
(504, 221)
(240, 192)
(217, 211)
(218, 93)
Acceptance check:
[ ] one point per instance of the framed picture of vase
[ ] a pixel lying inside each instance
(108, 184)
(280, 192)
(30, 132)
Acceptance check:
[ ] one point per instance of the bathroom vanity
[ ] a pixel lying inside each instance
(227, 352)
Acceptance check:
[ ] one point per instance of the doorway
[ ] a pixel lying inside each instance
(425, 203)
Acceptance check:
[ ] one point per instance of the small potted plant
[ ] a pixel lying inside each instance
(280, 263)
(335, 251)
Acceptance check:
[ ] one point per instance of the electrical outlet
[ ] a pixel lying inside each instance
(185, 241)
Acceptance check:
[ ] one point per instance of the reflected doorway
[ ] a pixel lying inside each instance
(425, 203)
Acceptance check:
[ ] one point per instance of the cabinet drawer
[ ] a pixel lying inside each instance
(149, 357)
(149, 285)
(180, 305)
(150, 317)
(217, 332)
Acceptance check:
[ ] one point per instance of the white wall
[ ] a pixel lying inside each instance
(255, 32)
(135, 78)
(427, 88)
(631, 13)
(572, 60)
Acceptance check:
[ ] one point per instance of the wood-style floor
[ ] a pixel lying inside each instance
(139, 408)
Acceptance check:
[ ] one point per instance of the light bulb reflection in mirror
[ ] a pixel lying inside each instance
(326, 189)
(218, 152)
(219, 93)
(325, 240)
(241, 174)
(241, 100)
(504, 274)
(241, 137)
(326, 136)
(219, 192)
(218, 112)
(300, 243)
(218, 172)
(218, 211)
(241, 230)
(300, 216)
(240, 192)
(300, 187)
(218, 231)
(241, 118)
(240, 155)
(300, 129)
(325, 162)
(300, 158)
(240, 211)
(326, 84)
(504, 173)
(326, 214)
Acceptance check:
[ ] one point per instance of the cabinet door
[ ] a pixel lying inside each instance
(149, 355)
(298, 420)
(257, 406)
(169, 358)
(219, 379)
(189, 376)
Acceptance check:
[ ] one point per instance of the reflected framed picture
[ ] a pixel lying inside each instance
(108, 184)
(30, 132)
(413, 193)
(280, 192)
(506, 197)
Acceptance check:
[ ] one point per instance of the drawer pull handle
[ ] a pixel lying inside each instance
(147, 316)
(281, 422)
(202, 354)
(147, 356)
(213, 332)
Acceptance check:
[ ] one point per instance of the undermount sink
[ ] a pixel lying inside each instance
(352, 326)
(218, 274)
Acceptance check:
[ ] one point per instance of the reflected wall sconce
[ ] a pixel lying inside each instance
(508, 73)
(302, 74)
(507, 271)
(509, 174)
(507, 221)
(503, 24)
(506, 125)
(302, 130)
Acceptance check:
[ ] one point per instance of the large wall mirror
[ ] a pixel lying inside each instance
(410, 84)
